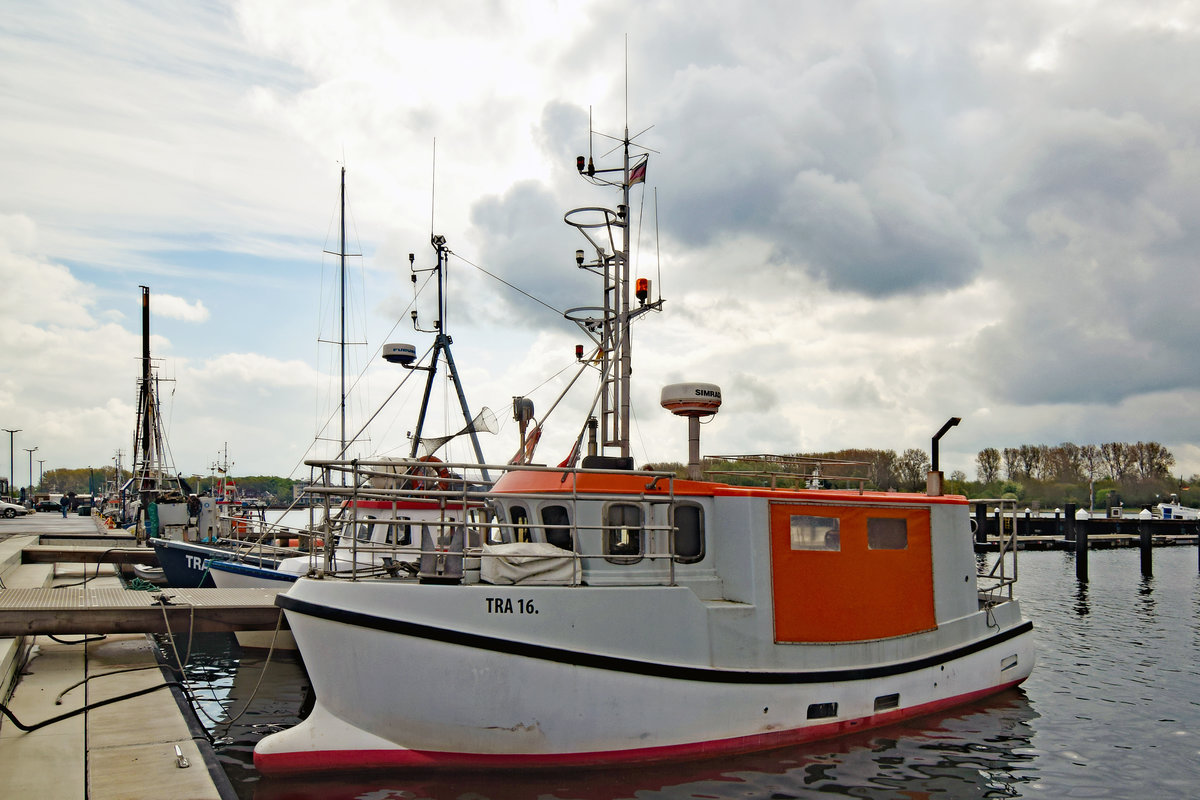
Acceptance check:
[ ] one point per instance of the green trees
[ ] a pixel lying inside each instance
(1136, 474)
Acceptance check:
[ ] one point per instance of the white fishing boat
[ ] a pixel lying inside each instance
(620, 616)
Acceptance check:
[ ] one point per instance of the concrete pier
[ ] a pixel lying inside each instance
(124, 749)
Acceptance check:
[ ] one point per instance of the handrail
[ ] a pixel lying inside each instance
(464, 501)
(999, 581)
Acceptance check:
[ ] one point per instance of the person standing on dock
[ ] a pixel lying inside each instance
(64, 505)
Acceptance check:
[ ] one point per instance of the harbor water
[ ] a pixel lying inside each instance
(1112, 710)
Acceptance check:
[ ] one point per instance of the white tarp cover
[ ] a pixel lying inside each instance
(527, 563)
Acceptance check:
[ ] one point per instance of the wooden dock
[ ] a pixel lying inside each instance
(92, 610)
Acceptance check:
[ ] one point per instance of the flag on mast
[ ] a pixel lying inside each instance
(638, 173)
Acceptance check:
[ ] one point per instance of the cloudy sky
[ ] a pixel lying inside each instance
(871, 216)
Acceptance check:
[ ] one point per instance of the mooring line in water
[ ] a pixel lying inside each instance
(262, 673)
(188, 691)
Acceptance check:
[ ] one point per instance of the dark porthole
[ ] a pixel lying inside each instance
(822, 710)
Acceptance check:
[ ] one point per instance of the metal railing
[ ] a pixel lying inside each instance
(461, 501)
(800, 470)
(996, 581)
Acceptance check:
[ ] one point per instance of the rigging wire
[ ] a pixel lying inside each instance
(509, 285)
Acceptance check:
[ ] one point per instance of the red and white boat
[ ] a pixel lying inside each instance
(607, 615)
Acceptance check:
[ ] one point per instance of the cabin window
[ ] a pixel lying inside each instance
(519, 516)
(556, 522)
(623, 533)
(884, 533)
(822, 710)
(480, 529)
(689, 533)
(815, 533)
(363, 534)
(399, 533)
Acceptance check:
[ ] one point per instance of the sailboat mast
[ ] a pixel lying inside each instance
(342, 316)
(144, 395)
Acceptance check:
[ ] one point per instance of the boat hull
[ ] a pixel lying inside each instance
(470, 700)
(185, 564)
(234, 575)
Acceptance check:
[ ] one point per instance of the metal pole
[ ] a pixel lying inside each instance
(342, 259)
(12, 476)
(41, 468)
(31, 452)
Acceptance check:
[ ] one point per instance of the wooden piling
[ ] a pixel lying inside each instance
(981, 523)
(1069, 523)
(1147, 551)
(1081, 551)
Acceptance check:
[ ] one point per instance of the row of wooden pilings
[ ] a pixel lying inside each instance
(1070, 531)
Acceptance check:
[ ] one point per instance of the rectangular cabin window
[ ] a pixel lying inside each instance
(689, 533)
(480, 527)
(816, 533)
(623, 533)
(887, 533)
(363, 534)
(822, 710)
(556, 522)
(519, 516)
(399, 533)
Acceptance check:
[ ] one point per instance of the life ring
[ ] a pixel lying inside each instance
(431, 477)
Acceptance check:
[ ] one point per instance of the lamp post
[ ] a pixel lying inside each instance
(31, 451)
(41, 467)
(12, 476)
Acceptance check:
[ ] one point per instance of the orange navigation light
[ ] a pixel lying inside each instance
(579, 352)
(643, 290)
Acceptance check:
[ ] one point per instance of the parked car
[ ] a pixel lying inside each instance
(11, 510)
(47, 505)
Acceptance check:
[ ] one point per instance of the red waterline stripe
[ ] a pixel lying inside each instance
(338, 760)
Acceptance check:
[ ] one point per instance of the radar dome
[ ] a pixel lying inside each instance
(400, 353)
(691, 399)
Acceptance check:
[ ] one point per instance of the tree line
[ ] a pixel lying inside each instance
(85, 479)
(1073, 463)
(1137, 473)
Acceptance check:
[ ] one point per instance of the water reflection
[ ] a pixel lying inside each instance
(982, 751)
(1082, 609)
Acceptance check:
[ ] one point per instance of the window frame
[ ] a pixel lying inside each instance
(610, 530)
(701, 532)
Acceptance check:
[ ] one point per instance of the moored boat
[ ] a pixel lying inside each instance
(624, 616)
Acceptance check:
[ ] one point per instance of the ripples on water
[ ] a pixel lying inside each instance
(1112, 710)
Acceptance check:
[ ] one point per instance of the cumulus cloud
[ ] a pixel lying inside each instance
(173, 307)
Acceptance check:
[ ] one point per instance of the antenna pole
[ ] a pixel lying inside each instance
(441, 345)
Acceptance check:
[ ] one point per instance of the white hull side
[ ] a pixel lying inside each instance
(405, 700)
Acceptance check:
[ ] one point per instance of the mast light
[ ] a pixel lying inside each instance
(642, 290)
(579, 257)
(579, 352)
